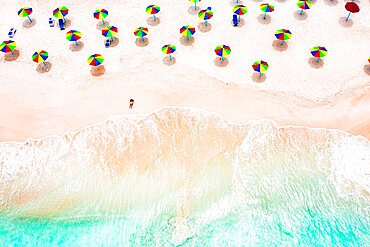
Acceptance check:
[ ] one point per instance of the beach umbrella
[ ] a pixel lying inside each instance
(141, 32)
(109, 31)
(205, 14)
(283, 34)
(73, 35)
(40, 56)
(351, 7)
(8, 46)
(25, 12)
(266, 7)
(152, 10)
(222, 51)
(240, 10)
(187, 31)
(100, 14)
(319, 52)
(95, 60)
(368, 59)
(260, 66)
(304, 4)
(169, 49)
(60, 12)
(195, 3)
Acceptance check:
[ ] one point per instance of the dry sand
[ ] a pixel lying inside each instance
(68, 97)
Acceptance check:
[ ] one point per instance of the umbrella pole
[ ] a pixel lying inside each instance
(282, 42)
(170, 57)
(238, 18)
(154, 18)
(260, 75)
(206, 23)
(102, 21)
(12, 52)
(195, 5)
(187, 38)
(29, 18)
(76, 42)
(64, 19)
(317, 60)
(44, 64)
(348, 16)
(222, 58)
(301, 12)
(142, 38)
(264, 17)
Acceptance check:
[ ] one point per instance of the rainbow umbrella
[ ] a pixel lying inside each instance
(73, 35)
(304, 4)
(260, 66)
(141, 32)
(319, 52)
(240, 10)
(195, 3)
(222, 51)
(95, 60)
(60, 12)
(169, 49)
(101, 14)
(40, 56)
(152, 10)
(368, 59)
(25, 12)
(8, 46)
(187, 31)
(266, 7)
(283, 34)
(109, 31)
(205, 14)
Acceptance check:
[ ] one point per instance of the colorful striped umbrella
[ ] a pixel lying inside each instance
(368, 59)
(73, 35)
(187, 31)
(260, 66)
(283, 34)
(195, 3)
(240, 10)
(266, 7)
(169, 49)
(304, 4)
(25, 12)
(60, 12)
(222, 51)
(319, 52)
(95, 60)
(141, 32)
(8, 46)
(205, 14)
(40, 56)
(109, 31)
(152, 10)
(100, 14)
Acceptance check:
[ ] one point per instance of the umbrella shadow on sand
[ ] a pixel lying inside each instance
(97, 70)
(100, 25)
(256, 77)
(115, 42)
(262, 20)
(344, 23)
(331, 2)
(28, 24)
(280, 1)
(187, 41)
(43, 68)
(193, 11)
(168, 61)
(66, 24)
(279, 46)
(76, 47)
(153, 22)
(367, 69)
(316, 64)
(12, 57)
(141, 43)
(204, 28)
(240, 23)
(299, 16)
(219, 63)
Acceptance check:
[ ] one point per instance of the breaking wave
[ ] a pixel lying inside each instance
(186, 177)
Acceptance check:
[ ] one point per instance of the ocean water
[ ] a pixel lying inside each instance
(183, 177)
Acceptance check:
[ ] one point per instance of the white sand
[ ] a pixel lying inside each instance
(68, 97)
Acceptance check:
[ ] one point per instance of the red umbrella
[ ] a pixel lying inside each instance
(352, 7)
